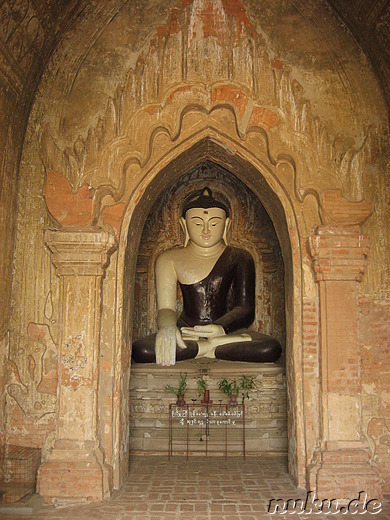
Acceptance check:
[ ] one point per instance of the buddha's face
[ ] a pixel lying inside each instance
(205, 226)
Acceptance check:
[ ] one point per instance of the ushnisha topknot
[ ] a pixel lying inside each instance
(204, 199)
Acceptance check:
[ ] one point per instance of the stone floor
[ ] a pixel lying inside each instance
(201, 488)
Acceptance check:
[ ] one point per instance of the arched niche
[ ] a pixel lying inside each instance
(252, 230)
(265, 186)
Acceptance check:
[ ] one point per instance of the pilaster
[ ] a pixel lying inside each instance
(342, 463)
(75, 469)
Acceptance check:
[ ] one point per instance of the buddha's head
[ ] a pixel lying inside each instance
(205, 219)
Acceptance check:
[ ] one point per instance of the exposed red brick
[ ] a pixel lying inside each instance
(65, 206)
(263, 117)
(231, 94)
(337, 209)
(243, 26)
(374, 319)
(26, 430)
(278, 64)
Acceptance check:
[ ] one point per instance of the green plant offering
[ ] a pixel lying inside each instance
(247, 385)
(181, 388)
(229, 387)
(201, 385)
(244, 387)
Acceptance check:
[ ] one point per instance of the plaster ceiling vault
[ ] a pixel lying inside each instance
(33, 31)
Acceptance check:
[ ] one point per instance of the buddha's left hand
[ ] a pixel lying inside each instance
(203, 331)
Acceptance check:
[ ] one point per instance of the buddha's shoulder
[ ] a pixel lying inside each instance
(171, 255)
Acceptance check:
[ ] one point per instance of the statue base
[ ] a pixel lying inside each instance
(266, 415)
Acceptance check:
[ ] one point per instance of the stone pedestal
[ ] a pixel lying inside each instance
(266, 414)
(75, 469)
(342, 464)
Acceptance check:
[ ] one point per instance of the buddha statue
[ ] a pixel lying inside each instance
(217, 282)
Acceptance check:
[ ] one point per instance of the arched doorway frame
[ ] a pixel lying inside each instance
(205, 143)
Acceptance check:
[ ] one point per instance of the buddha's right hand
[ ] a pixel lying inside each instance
(166, 340)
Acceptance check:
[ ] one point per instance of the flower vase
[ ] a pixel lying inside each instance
(233, 400)
(180, 400)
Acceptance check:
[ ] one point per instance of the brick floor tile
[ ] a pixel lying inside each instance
(201, 507)
(229, 508)
(160, 516)
(172, 506)
(129, 516)
(187, 507)
(136, 507)
(166, 497)
(157, 507)
(243, 507)
(198, 489)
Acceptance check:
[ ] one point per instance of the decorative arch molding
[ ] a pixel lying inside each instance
(102, 192)
(168, 83)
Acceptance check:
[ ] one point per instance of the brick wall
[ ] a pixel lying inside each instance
(374, 320)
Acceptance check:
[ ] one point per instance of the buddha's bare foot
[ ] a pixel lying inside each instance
(229, 338)
(206, 347)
